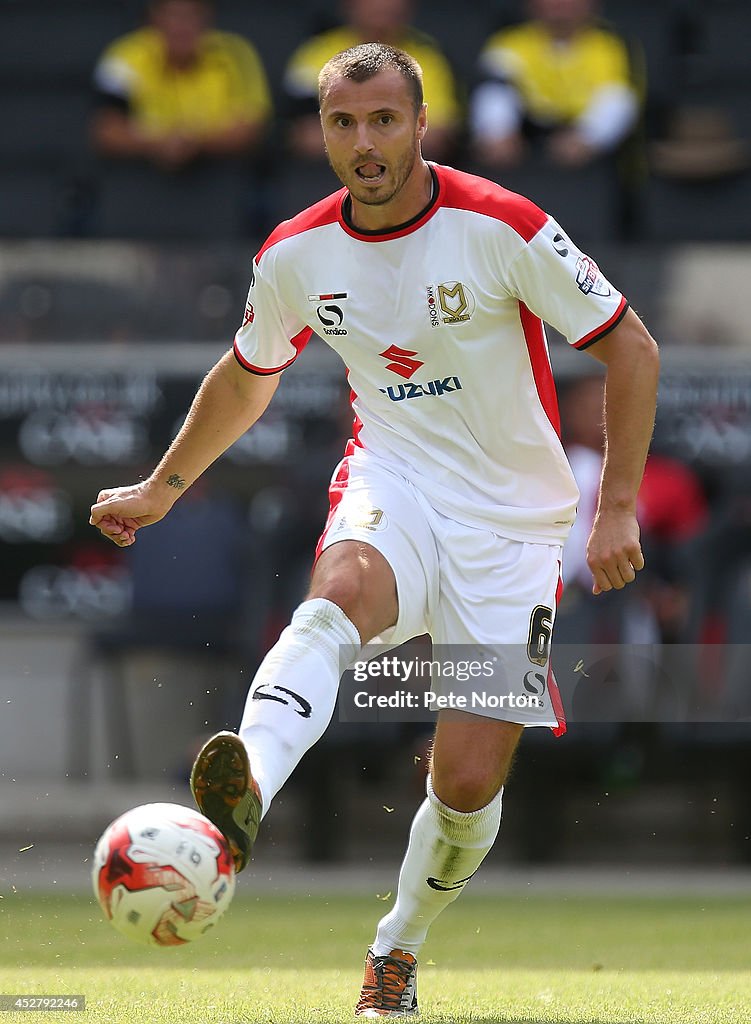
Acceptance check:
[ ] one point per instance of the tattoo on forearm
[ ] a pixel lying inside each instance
(173, 480)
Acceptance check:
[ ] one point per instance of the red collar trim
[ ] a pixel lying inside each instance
(401, 229)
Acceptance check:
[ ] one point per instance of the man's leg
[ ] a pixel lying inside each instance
(455, 826)
(451, 833)
(352, 598)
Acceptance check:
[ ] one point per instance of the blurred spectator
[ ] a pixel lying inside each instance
(672, 510)
(178, 90)
(583, 435)
(386, 21)
(559, 77)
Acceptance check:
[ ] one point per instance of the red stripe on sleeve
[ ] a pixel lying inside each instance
(600, 332)
(299, 341)
(538, 356)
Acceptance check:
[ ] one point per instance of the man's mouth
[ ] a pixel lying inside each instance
(371, 173)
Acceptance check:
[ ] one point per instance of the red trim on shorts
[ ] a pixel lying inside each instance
(336, 492)
(534, 336)
(555, 694)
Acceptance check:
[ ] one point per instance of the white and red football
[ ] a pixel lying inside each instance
(163, 874)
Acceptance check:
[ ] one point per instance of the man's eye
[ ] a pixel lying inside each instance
(343, 122)
(385, 119)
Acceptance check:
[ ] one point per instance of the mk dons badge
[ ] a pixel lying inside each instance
(450, 303)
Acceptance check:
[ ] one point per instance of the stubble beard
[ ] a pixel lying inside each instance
(401, 175)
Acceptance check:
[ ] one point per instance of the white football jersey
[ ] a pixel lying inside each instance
(439, 323)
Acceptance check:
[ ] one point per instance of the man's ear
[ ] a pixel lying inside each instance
(422, 122)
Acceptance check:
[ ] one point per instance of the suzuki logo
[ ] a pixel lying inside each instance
(401, 360)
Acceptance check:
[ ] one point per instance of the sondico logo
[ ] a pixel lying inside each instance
(330, 314)
(449, 303)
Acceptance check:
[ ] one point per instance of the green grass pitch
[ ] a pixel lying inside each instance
(506, 959)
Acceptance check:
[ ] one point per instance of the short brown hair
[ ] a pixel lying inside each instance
(362, 62)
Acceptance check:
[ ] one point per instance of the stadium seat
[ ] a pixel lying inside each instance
(188, 600)
(205, 202)
(297, 184)
(584, 201)
(654, 28)
(723, 46)
(33, 203)
(461, 34)
(707, 211)
(275, 34)
(43, 123)
(40, 40)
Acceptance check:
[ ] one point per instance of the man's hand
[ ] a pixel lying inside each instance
(508, 151)
(568, 149)
(118, 513)
(173, 152)
(614, 553)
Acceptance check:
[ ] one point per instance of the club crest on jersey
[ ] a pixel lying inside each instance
(589, 279)
(449, 303)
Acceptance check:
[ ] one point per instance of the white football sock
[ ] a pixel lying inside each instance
(445, 849)
(292, 697)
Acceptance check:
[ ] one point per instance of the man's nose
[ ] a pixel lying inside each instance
(363, 142)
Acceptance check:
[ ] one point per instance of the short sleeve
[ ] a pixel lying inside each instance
(301, 72)
(440, 87)
(565, 287)
(271, 336)
(115, 75)
(249, 94)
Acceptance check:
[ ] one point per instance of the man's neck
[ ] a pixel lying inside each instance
(413, 198)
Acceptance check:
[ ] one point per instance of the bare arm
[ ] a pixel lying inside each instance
(228, 402)
(630, 354)
(115, 133)
(236, 140)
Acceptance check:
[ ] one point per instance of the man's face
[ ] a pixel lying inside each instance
(182, 23)
(564, 13)
(372, 134)
(379, 20)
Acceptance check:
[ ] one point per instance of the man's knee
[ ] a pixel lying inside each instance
(357, 578)
(344, 589)
(467, 789)
(471, 759)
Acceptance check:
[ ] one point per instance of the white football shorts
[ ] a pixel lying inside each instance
(462, 585)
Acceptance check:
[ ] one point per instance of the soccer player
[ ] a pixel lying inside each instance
(450, 506)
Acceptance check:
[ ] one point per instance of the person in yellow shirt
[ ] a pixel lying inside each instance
(561, 77)
(177, 90)
(384, 21)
